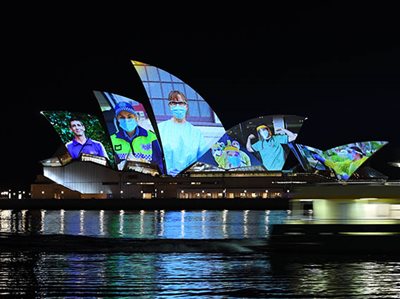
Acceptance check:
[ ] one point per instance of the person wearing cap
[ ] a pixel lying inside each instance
(234, 157)
(82, 144)
(182, 142)
(344, 169)
(269, 146)
(244, 158)
(217, 151)
(133, 142)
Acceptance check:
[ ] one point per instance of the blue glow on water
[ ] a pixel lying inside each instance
(195, 275)
(39, 274)
(144, 224)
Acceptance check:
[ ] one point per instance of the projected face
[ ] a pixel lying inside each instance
(187, 125)
(178, 105)
(136, 146)
(264, 133)
(344, 165)
(127, 121)
(342, 160)
(217, 149)
(236, 144)
(229, 154)
(267, 138)
(83, 136)
(77, 128)
(126, 115)
(233, 159)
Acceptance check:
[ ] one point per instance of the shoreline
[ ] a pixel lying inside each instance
(145, 204)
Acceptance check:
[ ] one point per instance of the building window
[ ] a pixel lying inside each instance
(159, 83)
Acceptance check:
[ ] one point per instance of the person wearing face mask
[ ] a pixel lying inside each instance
(217, 151)
(345, 168)
(269, 146)
(133, 142)
(182, 142)
(244, 158)
(232, 157)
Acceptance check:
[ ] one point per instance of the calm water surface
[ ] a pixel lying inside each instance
(143, 224)
(183, 275)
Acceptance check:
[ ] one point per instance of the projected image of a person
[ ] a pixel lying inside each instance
(269, 146)
(133, 142)
(82, 144)
(217, 151)
(244, 158)
(345, 167)
(232, 157)
(182, 142)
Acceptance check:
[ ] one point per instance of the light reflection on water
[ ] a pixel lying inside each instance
(143, 224)
(183, 275)
(195, 275)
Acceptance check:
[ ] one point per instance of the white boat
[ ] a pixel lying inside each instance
(341, 218)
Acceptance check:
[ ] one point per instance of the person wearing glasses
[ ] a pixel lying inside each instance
(182, 142)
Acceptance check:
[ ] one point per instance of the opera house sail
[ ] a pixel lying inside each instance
(169, 142)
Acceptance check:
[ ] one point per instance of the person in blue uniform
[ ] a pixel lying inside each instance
(269, 146)
(81, 144)
(133, 142)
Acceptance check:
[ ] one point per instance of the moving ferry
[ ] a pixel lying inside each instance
(350, 217)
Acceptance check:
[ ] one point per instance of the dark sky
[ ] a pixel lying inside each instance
(336, 64)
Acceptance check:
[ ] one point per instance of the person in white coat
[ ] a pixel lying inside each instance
(182, 142)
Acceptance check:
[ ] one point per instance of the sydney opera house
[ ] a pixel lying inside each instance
(173, 145)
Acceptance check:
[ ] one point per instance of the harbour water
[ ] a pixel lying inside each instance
(52, 274)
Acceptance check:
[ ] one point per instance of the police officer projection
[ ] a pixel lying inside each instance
(131, 132)
(187, 125)
(81, 133)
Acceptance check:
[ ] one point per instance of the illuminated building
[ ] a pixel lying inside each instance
(173, 145)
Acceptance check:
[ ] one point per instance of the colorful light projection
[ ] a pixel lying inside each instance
(268, 137)
(83, 136)
(343, 160)
(229, 154)
(187, 125)
(133, 139)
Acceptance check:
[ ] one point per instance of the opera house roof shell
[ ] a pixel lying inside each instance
(174, 131)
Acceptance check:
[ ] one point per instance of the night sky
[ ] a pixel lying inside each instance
(335, 64)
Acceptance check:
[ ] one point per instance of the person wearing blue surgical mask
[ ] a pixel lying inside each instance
(344, 168)
(232, 157)
(133, 142)
(182, 142)
(269, 146)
